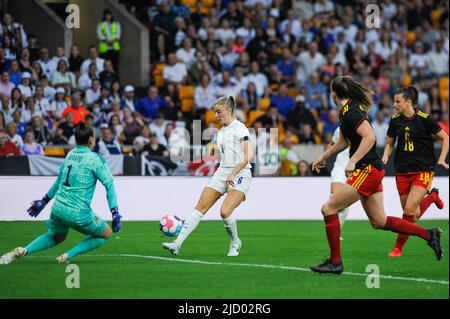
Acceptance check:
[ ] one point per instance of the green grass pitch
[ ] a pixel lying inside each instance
(273, 264)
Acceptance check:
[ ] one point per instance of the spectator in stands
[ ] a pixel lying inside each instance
(6, 108)
(16, 99)
(309, 61)
(9, 48)
(133, 126)
(286, 65)
(75, 61)
(60, 54)
(7, 148)
(93, 58)
(42, 104)
(107, 143)
(151, 105)
(317, 93)
(153, 148)
(93, 94)
(108, 76)
(304, 169)
(59, 104)
(258, 78)
(128, 99)
(25, 86)
(24, 60)
(36, 71)
(76, 108)
(117, 127)
(115, 110)
(438, 59)
(174, 72)
(2, 121)
(59, 138)
(380, 127)
(306, 135)
(104, 101)
(49, 91)
(158, 126)
(167, 134)
(41, 132)
(272, 118)
(15, 30)
(47, 64)
(227, 86)
(6, 86)
(283, 101)
(109, 33)
(330, 125)
(4, 62)
(31, 110)
(115, 92)
(30, 147)
(62, 77)
(418, 58)
(300, 116)
(164, 26)
(289, 158)
(14, 72)
(11, 130)
(34, 47)
(18, 121)
(186, 54)
(85, 80)
(142, 139)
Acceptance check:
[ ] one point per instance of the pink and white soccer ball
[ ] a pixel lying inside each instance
(170, 225)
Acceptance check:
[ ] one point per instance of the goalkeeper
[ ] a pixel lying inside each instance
(73, 191)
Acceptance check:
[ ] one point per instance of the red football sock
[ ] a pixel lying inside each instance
(333, 229)
(398, 225)
(426, 202)
(402, 238)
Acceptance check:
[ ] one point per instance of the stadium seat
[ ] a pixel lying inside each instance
(435, 15)
(186, 92)
(292, 92)
(253, 115)
(210, 117)
(127, 149)
(208, 3)
(159, 68)
(54, 151)
(443, 88)
(406, 80)
(187, 105)
(411, 37)
(264, 104)
(320, 128)
(159, 81)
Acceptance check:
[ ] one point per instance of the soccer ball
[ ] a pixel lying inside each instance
(170, 225)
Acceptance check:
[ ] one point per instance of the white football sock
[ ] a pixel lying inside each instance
(343, 216)
(231, 227)
(190, 223)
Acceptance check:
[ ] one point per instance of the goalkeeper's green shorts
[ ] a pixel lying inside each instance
(64, 218)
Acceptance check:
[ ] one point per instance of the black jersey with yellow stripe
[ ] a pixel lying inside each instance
(415, 147)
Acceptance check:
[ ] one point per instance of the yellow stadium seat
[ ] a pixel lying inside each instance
(159, 81)
(264, 104)
(286, 168)
(253, 115)
(208, 3)
(320, 128)
(186, 92)
(411, 37)
(127, 149)
(443, 88)
(406, 80)
(292, 92)
(55, 151)
(159, 68)
(210, 117)
(187, 105)
(435, 15)
(281, 133)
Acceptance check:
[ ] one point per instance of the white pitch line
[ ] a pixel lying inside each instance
(442, 282)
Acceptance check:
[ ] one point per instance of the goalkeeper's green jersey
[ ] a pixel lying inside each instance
(75, 185)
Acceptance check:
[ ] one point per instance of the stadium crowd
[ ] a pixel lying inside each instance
(277, 57)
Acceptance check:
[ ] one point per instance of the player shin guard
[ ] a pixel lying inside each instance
(402, 238)
(398, 225)
(190, 223)
(86, 245)
(333, 229)
(44, 241)
(343, 216)
(231, 227)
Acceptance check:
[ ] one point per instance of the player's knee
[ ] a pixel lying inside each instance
(106, 233)
(377, 224)
(328, 210)
(59, 238)
(225, 212)
(201, 208)
(410, 210)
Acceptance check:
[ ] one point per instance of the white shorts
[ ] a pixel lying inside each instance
(242, 180)
(338, 174)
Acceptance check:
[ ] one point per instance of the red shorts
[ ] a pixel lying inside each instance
(367, 181)
(406, 180)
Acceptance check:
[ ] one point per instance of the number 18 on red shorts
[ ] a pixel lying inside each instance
(406, 180)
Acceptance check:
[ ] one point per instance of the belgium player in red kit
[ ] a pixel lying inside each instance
(414, 158)
(365, 173)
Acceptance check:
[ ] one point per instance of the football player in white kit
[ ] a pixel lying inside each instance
(232, 177)
(338, 177)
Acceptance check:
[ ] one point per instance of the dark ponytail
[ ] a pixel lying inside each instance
(346, 88)
(409, 93)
